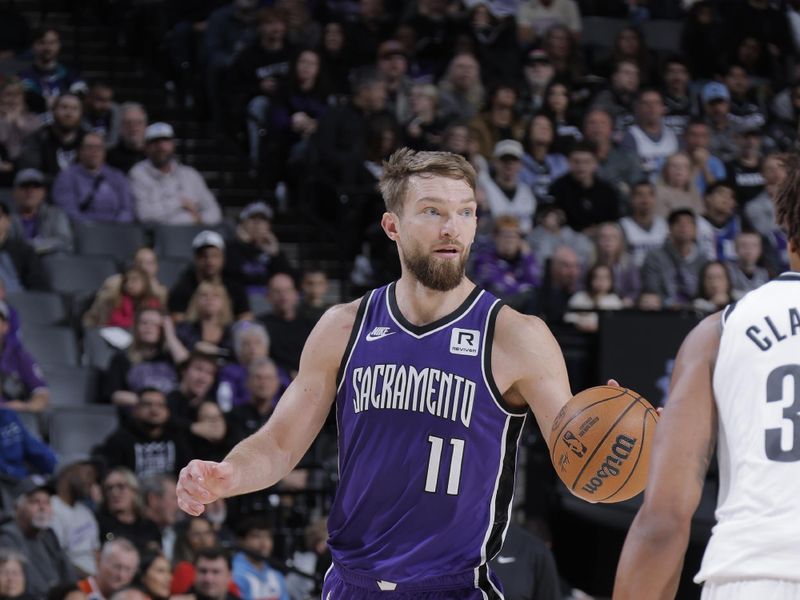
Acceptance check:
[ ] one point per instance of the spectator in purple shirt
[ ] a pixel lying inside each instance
(507, 267)
(90, 190)
(23, 387)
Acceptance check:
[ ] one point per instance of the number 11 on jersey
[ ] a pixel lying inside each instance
(435, 460)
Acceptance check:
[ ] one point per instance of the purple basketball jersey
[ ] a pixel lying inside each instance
(427, 447)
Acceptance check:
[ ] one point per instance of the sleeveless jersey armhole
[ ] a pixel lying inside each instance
(487, 363)
(358, 325)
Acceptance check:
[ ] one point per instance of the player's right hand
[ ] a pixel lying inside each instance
(201, 482)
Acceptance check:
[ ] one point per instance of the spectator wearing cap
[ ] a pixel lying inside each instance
(42, 225)
(54, 147)
(585, 198)
(716, 108)
(706, 167)
(649, 137)
(257, 74)
(208, 265)
(22, 453)
(74, 524)
(673, 270)
(47, 79)
(101, 114)
(392, 64)
(536, 16)
(538, 72)
(90, 191)
(620, 168)
(23, 387)
(166, 192)
(504, 192)
(498, 122)
(29, 533)
(341, 138)
(130, 148)
(20, 267)
(254, 254)
(460, 89)
(744, 172)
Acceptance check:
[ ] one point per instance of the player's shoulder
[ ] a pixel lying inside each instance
(340, 316)
(518, 334)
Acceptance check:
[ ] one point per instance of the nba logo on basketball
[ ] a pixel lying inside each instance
(465, 341)
(574, 443)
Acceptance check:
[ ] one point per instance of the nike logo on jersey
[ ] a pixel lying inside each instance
(378, 333)
(504, 560)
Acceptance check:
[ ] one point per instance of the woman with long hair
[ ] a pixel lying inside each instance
(676, 186)
(117, 306)
(209, 317)
(149, 362)
(556, 106)
(715, 290)
(599, 294)
(155, 576)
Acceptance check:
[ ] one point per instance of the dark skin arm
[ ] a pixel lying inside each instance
(652, 558)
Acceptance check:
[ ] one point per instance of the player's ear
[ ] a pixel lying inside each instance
(390, 222)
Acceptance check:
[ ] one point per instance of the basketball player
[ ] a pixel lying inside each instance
(736, 386)
(431, 377)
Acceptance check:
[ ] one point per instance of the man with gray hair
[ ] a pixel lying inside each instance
(119, 560)
(30, 534)
(161, 507)
(129, 150)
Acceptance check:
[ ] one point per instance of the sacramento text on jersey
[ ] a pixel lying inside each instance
(397, 387)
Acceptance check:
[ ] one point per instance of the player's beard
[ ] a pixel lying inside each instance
(433, 273)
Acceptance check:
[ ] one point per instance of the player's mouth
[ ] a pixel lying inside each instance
(448, 252)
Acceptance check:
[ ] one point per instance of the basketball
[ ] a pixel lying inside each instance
(600, 443)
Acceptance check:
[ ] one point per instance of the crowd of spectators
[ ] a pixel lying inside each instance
(611, 176)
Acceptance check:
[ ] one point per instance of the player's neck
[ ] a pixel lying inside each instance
(421, 305)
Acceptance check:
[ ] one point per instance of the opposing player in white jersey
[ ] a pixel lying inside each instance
(736, 387)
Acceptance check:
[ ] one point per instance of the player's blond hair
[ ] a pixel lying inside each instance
(406, 163)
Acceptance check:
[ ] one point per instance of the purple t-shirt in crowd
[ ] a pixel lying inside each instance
(20, 373)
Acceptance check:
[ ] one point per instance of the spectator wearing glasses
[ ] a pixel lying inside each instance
(91, 191)
(41, 224)
(121, 513)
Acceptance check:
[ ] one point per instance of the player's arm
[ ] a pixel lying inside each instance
(529, 366)
(264, 458)
(652, 558)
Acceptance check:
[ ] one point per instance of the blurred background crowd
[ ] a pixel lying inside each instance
(186, 186)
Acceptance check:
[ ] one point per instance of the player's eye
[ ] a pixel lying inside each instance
(468, 212)
(430, 211)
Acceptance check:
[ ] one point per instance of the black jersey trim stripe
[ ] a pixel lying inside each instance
(504, 493)
(355, 333)
(788, 276)
(423, 330)
(485, 585)
(488, 344)
(727, 312)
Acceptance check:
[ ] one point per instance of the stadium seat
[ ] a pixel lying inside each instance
(109, 239)
(32, 423)
(75, 430)
(663, 35)
(51, 345)
(600, 32)
(170, 270)
(79, 277)
(70, 386)
(38, 308)
(97, 352)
